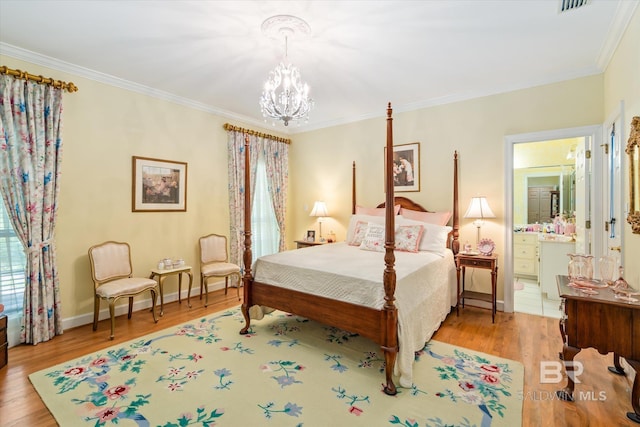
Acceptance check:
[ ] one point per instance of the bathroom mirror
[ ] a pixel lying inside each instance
(633, 151)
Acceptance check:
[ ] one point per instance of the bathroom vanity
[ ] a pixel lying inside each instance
(525, 254)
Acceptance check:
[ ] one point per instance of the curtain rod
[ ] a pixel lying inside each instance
(230, 127)
(69, 87)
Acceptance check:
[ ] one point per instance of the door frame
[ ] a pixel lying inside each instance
(593, 132)
(620, 190)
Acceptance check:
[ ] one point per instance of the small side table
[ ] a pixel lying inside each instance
(305, 244)
(162, 274)
(489, 262)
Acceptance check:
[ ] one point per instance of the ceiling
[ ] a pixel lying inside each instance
(212, 55)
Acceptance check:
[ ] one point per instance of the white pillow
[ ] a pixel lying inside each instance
(364, 218)
(434, 238)
(374, 238)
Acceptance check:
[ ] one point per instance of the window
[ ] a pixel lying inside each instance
(264, 226)
(12, 266)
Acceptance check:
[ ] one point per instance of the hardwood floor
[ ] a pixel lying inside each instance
(527, 338)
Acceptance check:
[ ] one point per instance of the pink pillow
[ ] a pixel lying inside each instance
(408, 237)
(360, 210)
(439, 218)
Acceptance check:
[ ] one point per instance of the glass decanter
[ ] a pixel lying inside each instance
(580, 267)
(621, 284)
(622, 290)
(607, 265)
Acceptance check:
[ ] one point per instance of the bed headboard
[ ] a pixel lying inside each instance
(406, 204)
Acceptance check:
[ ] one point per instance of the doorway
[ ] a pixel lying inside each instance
(584, 194)
(544, 175)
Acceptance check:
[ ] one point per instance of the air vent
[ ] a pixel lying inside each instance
(567, 5)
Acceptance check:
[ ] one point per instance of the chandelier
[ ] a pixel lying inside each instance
(285, 96)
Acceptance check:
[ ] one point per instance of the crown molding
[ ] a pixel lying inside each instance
(76, 70)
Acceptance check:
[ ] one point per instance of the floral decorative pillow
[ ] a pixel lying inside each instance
(364, 218)
(434, 238)
(358, 233)
(374, 238)
(408, 237)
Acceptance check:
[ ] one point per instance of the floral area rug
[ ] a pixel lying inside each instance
(288, 371)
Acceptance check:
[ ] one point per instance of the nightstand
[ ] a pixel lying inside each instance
(305, 244)
(489, 262)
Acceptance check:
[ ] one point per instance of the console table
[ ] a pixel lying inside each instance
(605, 323)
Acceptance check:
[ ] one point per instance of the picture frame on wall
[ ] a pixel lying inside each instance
(406, 167)
(158, 185)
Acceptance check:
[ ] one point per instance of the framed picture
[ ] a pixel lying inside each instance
(406, 167)
(311, 236)
(158, 185)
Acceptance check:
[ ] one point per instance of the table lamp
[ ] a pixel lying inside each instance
(319, 210)
(479, 210)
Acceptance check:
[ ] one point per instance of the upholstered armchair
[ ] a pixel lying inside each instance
(214, 263)
(112, 277)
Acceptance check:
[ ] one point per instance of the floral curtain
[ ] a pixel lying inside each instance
(30, 159)
(276, 156)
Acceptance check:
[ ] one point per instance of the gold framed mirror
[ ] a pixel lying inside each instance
(633, 151)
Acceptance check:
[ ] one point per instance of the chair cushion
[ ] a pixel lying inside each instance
(219, 269)
(126, 286)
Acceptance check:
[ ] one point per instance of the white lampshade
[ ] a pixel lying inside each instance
(319, 209)
(479, 208)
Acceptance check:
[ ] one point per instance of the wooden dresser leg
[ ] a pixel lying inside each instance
(617, 367)
(568, 353)
(635, 393)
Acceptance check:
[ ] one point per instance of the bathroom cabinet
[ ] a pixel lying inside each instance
(525, 254)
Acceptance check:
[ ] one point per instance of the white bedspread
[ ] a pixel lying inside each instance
(425, 287)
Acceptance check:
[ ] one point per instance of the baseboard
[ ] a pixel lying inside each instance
(141, 304)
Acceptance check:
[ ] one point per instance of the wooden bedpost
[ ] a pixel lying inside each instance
(247, 255)
(455, 245)
(390, 342)
(353, 189)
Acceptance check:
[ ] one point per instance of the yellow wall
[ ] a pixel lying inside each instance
(621, 83)
(104, 126)
(320, 164)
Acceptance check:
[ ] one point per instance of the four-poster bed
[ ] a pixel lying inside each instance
(286, 281)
